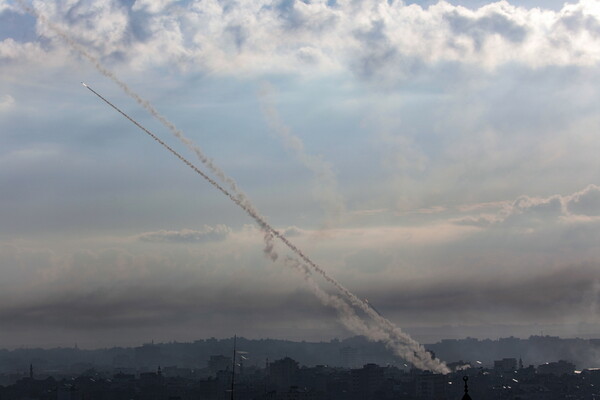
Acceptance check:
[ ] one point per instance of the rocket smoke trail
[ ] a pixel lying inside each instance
(402, 344)
(269, 249)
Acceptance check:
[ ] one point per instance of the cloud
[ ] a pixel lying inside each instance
(535, 211)
(5, 5)
(206, 234)
(151, 6)
(585, 202)
(292, 231)
(480, 221)
(371, 39)
(6, 102)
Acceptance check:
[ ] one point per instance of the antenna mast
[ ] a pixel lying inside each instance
(233, 366)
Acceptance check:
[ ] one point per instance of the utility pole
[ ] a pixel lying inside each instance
(233, 366)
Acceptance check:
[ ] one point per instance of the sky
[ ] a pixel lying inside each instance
(438, 158)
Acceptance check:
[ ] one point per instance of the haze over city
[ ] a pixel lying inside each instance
(439, 159)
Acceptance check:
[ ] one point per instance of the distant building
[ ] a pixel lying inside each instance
(431, 386)
(122, 362)
(366, 381)
(295, 393)
(282, 373)
(67, 392)
(594, 376)
(349, 357)
(148, 355)
(219, 363)
(505, 365)
(558, 368)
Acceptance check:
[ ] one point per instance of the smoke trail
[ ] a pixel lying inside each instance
(407, 348)
(402, 344)
(346, 313)
(326, 189)
(353, 322)
(239, 194)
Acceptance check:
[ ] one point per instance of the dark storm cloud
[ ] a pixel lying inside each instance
(206, 234)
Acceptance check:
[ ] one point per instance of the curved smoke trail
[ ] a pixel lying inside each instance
(395, 338)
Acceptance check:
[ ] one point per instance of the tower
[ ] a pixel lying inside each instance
(466, 395)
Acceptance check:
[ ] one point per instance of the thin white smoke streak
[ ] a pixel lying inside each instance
(408, 348)
(239, 194)
(326, 184)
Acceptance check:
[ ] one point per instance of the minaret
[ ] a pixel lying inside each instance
(466, 395)
(31, 371)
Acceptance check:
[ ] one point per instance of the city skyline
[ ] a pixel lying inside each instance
(439, 159)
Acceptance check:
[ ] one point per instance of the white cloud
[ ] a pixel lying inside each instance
(585, 202)
(373, 38)
(6, 102)
(537, 211)
(152, 6)
(7, 5)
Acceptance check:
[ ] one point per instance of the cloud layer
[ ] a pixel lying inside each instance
(369, 38)
(501, 272)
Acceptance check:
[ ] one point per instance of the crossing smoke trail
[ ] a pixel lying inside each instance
(400, 342)
(269, 249)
